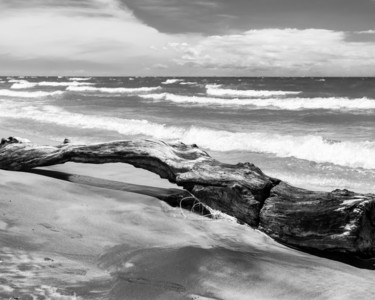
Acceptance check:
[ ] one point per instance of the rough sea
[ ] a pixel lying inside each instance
(316, 133)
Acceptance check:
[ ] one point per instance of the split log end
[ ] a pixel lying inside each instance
(339, 221)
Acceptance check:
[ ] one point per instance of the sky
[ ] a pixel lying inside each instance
(187, 37)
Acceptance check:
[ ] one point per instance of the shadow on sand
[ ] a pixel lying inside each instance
(181, 198)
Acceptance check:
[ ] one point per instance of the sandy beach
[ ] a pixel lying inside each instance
(62, 240)
(261, 113)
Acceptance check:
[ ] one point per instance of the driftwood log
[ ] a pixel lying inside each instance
(339, 221)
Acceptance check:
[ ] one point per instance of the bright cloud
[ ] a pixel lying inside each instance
(103, 33)
(281, 52)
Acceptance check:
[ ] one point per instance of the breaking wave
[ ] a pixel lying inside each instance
(68, 83)
(216, 90)
(171, 81)
(24, 84)
(112, 90)
(331, 103)
(196, 99)
(79, 78)
(32, 94)
(309, 147)
(188, 83)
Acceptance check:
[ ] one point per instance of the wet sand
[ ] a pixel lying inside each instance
(63, 240)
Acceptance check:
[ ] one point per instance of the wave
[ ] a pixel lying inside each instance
(67, 83)
(328, 182)
(331, 103)
(79, 78)
(171, 81)
(196, 99)
(32, 94)
(310, 147)
(112, 90)
(188, 83)
(24, 84)
(216, 90)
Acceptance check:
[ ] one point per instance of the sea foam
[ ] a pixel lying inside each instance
(331, 103)
(188, 83)
(79, 78)
(112, 90)
(308, 147)
(31, 94)
(204, 101)
(68, 83)
(171, 81)
(216, 90)
(24, 84)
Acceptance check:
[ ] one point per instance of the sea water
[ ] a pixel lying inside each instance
(316, 133)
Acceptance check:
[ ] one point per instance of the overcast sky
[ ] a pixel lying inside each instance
(188, 37)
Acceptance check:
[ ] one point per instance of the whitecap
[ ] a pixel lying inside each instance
(216, 90)
(31, 94)
(112, 90)
(188, 83)
(79, 78)
(205, 101)
(329, 103)
(171, 81)
(62, 83)
(24, 84)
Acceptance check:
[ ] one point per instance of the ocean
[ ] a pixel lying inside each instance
(316, 133)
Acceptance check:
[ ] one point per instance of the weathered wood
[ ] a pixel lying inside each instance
(187, 166)
(340, 221)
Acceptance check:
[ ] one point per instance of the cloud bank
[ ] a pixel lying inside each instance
(281, 52)
(105, 37)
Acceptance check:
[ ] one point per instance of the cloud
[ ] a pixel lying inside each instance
(104, 37)
(209, 17)
(370, 31)
(281, 52)
(160, 66)
(94, 31)
(174, 16)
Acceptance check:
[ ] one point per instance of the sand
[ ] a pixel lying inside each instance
(62, 240)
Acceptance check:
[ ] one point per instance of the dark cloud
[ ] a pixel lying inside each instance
(47, 3)
(223, 16)
(73, 8)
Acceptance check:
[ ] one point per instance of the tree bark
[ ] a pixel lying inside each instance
(340, 221)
